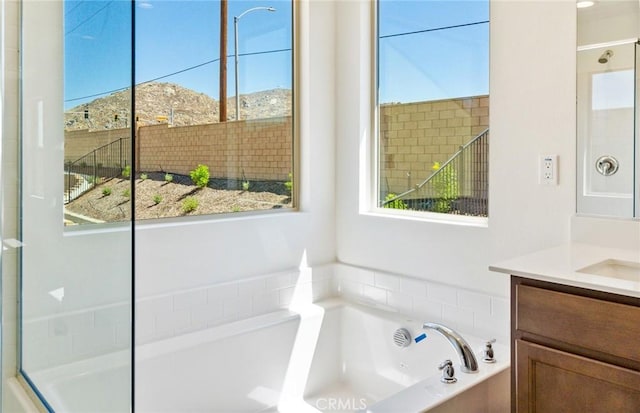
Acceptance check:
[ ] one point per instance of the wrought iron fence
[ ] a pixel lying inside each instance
(101, 164)
(460, 186)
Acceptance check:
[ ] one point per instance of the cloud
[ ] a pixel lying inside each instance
(145, 5)
(87, 37)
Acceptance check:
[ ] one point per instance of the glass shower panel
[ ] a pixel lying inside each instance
(606, 129)
(76, 280)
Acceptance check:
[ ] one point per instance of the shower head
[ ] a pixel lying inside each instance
(605, 57)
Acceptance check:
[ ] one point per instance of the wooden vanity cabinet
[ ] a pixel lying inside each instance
(573, 349)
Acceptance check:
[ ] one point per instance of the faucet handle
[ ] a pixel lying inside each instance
(487, 353)
(448, 372)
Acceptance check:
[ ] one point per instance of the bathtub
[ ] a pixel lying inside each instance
(333, 356)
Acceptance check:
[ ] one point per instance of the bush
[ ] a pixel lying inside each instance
(126, 193)
(144, 176)
(446, 187)
(106, 191)
(200, 176)
(190, 204)
(396, 203)
(126, 172)
(246, 185)
(289, 184)
(168, 177)
(157, 198)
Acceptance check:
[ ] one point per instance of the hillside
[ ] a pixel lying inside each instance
(155, 100)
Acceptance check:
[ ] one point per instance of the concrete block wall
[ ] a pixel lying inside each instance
(253, 149)
(80, 142)
(415, 135)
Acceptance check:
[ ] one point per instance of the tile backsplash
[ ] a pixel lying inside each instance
(74, 336)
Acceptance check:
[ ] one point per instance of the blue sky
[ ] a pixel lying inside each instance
(172, 36)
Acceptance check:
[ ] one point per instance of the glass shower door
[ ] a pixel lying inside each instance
(76, 268)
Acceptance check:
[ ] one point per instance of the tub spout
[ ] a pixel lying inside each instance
(468, 362)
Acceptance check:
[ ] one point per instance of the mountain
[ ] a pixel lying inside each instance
(155, 101)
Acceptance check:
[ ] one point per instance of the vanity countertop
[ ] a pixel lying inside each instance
(575, 264)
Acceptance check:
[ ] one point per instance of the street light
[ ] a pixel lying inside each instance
(236, 19)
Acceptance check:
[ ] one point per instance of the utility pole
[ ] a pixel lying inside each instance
(223, 62)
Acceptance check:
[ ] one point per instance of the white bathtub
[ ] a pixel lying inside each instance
(332, 357)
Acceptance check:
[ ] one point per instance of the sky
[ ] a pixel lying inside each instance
(184, 36)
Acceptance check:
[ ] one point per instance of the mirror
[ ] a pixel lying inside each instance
(608, 141)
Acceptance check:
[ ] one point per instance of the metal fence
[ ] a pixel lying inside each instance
(460, 186)
(101, 164)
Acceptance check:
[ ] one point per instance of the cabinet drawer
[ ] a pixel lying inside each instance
(589, 323)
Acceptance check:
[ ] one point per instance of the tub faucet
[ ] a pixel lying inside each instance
(468, 362)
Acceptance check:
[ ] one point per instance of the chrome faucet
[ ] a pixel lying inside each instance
(468, 362)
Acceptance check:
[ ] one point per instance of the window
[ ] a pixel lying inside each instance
(433, 106)
(198, 149)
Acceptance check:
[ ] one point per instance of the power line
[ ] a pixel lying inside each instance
(74, 7)
(176, 73)
(433, 30)
(89, 18)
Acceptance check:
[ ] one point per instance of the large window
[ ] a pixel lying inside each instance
(213, 109)
(433, 106)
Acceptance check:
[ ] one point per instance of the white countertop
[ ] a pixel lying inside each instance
(561, 265)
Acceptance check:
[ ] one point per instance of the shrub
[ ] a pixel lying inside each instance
(446, 187)
(126, 193)
(200, 176)
(235, 208)
(106, 191)
(168, 177)
(289, 184)
(396, 203)
(190, 204)
(126, 172)
(144, 176)
(157, 198)
(246, 185)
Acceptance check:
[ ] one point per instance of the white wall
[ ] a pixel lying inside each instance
(208, 251)
(532, 89)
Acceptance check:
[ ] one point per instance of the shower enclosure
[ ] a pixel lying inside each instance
(76, 280)
(608, 138)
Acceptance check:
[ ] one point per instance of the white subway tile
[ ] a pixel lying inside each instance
(387, 281)
(488, 327)
(351, 288)
(71, 324)
(442, 294)
(364, 276)
(167, 323)
(401, 302)
(202, 315)
(276, 282)
(266, 302)
(457, 318)
(428, 310)
(285, 296)
(222, 291)
(236, 308)
(322, 273)
(94, 341)
(500, 307)
(376, 294)
(186, 300)
(145, 326)
(123, 335)
(321, 290)
(163, 304)
(110, 316)
(413, 287)
(475, 302)
(251, 287)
